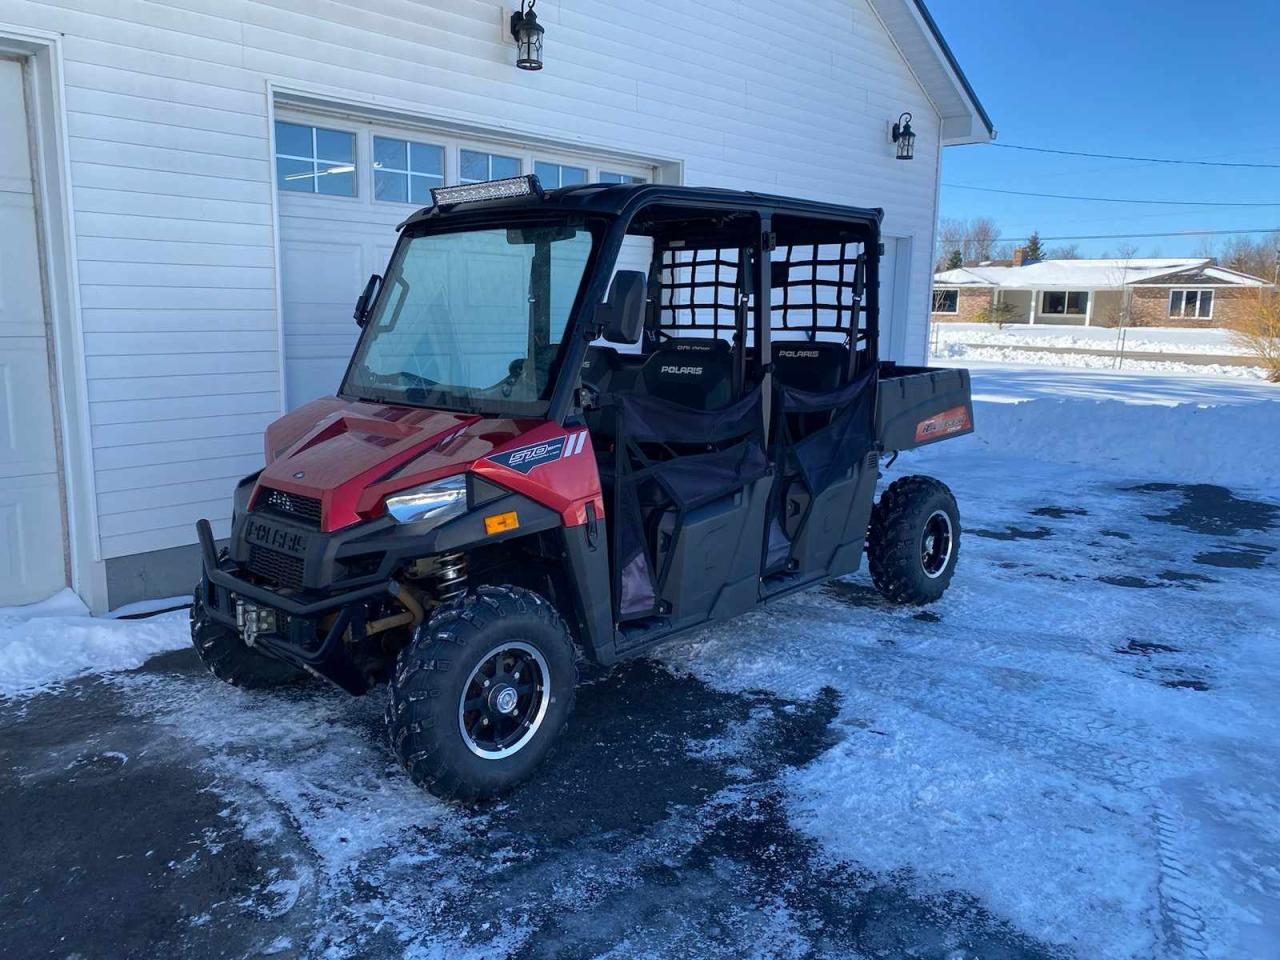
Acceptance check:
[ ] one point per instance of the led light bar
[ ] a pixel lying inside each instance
(525, 186)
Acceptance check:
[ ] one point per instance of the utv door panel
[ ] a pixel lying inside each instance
(833, 523)
(713, 558)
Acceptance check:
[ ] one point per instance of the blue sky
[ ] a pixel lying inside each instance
(1171, 79)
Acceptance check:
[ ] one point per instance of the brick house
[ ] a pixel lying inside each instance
(1181, 292)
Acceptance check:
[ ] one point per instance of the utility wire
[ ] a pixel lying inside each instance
(1112, 156)
(1143, 236)
(1171, 203)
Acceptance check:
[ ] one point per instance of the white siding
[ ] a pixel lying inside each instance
(173, 194)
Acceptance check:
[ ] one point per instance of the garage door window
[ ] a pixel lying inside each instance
(556, 175)
(475, 166)
(404, 171)
(315, 160)
(607, 176)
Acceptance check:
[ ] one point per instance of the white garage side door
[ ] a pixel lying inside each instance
(32, 563)
(343, 185)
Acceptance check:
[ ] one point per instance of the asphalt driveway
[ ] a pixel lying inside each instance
(1071, 755)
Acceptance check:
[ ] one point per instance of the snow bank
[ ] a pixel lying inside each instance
(965, 353)
(1230, 445)
(49, 642)
(1146, 339)
(1194, 430)
(1017, 344)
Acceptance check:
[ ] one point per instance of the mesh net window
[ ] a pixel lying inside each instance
(816, 289)
(700, 290)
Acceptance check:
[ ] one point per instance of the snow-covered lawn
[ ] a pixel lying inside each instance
(1073, 754)
(963, 343)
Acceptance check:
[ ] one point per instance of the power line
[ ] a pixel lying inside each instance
(1144, 236)
(1171, 203)
(1113, 156)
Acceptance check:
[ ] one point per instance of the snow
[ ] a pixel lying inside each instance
(49, 642)
(1086, 274)
(1209, 340)
(964, 343)
(1207, 430)
(1079, 736)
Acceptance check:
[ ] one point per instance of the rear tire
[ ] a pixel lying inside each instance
(914, 540)
(229, 659)
(480, 695)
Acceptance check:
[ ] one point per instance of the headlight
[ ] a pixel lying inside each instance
(439, 501)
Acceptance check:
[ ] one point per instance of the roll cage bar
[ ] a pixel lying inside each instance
(696, 218)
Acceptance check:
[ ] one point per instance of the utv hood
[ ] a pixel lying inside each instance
(349, 455)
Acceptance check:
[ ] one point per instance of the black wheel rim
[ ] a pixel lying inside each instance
(504, 700)
(936, 544)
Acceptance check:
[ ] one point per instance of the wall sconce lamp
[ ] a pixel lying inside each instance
(904, 137)
(527, 33)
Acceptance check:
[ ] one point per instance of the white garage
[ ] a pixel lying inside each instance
(193, 194)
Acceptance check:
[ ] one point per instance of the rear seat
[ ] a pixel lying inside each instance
(818, 366)
(693, 372)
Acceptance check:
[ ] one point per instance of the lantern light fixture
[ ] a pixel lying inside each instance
(527, 33)
(904, 137)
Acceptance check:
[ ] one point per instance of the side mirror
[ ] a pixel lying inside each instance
(621, 316)
(365, 301)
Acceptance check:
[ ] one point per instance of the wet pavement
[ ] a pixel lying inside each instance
(158, 813)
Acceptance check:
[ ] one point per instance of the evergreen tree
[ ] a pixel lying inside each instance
(1033, 251)
(955, 261)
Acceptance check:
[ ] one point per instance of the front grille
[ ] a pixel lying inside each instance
(291, 505)
(279, 568)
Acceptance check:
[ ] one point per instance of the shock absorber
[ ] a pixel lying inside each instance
(451, 576)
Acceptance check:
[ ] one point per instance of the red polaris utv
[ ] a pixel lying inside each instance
(494, 489)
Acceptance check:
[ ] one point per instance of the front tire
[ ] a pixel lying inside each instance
(230, 659)
(914, 540)
(480, 695)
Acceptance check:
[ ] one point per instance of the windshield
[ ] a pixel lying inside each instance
(472, 320)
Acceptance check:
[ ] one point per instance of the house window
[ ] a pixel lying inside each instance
(1074, 303)
(556, 175)
(315, 160)
(475, 166)
(1189, 304)
(609, 177)
(404, 171)
(946, 301)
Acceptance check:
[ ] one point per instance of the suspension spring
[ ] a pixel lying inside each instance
(451, 576)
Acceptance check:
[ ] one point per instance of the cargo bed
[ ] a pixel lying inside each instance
(916, 406)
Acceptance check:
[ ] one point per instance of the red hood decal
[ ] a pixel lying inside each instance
(351, 454)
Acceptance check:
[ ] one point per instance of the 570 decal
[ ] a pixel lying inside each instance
(944, 424)
(528, 458)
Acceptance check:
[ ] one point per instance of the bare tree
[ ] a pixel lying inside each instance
(1126, 252)
(951, 239)
(1257, 257)
(1257, 331)
(983, 236)
(975, 240)
(1207, 248)
(1069, 251)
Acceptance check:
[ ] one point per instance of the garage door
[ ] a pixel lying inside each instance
(32, 564)
(343, 186)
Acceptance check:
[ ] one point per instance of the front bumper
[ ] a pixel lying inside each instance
(300, 638)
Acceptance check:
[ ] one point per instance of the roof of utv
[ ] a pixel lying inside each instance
(624, 199)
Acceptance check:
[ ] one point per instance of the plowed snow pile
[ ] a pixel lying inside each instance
(1188, 429)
